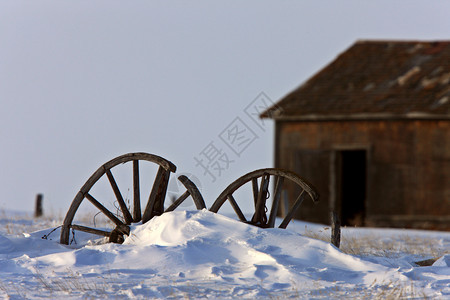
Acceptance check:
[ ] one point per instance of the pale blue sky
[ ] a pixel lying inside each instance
(84, 81)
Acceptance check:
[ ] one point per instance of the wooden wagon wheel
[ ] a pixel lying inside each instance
(132, 214)
(260, 195)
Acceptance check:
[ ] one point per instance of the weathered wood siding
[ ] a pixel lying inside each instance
(408, 168)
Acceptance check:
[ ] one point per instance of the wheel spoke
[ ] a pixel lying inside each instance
(123, 206)
(276, 202)
(294, 208)
(136, 193)
(104, 210)
(177, 202)
(260, 214)
(155, 204)
(158, 208)
(236, 208)
(255, 190)
(90, 230)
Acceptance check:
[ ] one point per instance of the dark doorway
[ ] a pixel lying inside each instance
(313, 165)
(352, 186)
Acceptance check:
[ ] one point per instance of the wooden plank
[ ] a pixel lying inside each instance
(123, 206)
(291, 212)
(90, 230)
(427, 262)
(137, 216)
(236, 208)
(276, 202)
(104, 210)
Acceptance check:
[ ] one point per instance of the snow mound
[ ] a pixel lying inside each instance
(201, 254)
(207, 245)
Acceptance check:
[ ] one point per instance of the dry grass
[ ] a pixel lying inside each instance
(73, 282)
(403, 244)
(377, 290)
(25, 222)
(377, 245)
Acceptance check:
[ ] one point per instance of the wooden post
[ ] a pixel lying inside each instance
(38, 212)
(335, 229)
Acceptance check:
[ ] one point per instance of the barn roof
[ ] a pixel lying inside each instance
(375, 80)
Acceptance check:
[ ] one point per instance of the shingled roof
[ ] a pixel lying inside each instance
(375, 80)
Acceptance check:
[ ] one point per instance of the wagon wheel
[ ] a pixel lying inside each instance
(128, 215)
(260, 196)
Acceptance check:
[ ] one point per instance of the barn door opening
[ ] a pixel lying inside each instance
(351, 186)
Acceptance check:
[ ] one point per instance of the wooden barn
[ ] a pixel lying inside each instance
(371, 131)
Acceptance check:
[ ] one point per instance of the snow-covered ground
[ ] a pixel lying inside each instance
(199, 254)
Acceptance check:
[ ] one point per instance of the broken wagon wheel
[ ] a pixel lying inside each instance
(128, 215)
(260, 195)
(191, 190)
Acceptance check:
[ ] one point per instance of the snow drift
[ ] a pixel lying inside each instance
(198, 254)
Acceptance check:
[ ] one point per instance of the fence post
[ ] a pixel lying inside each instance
(38, 212)
(335, 229)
